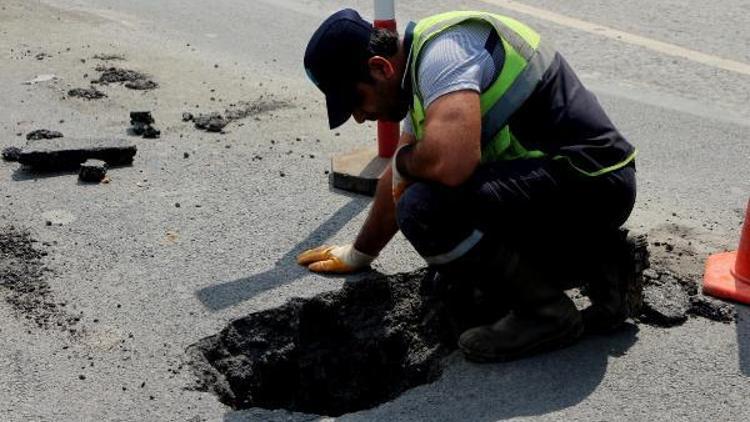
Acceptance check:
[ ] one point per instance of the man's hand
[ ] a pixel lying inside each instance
(334, 259)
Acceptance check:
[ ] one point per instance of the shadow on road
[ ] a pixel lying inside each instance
(26, 173)
(466, 391)
(286, 270)
(743, 338)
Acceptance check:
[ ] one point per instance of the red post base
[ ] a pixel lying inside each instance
(388, 134)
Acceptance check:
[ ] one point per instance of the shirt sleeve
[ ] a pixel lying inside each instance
(406, 126)
(456, 60)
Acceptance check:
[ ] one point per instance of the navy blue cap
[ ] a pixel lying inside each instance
(335, 55)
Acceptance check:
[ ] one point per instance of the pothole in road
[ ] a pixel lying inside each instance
(332, 354)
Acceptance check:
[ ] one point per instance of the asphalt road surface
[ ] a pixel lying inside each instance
(204, 227)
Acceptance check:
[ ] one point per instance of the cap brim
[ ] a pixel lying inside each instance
(339, 110)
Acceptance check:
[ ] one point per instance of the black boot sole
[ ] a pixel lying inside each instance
(565, 338)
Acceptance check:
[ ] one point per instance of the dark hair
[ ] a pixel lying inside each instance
(383, 42)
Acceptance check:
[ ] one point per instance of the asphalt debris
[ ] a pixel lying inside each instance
(69, 153)
(142, 124)
(23, 283)
(672, 286)
(90, 93)
(131, 78)
(43, 134)
(216, 121)
(141, 117)
(665, 302)
(11, 153)
(669, 299)
(712, 309)
(93, 171)
(141, 84)
(211, 122)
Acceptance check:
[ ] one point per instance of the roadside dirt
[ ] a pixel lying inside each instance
(216, 121)
(23, 284)
(131, 78)
(90, 93)
(672, 284)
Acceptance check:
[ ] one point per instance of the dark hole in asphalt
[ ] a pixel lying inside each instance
(332, 354)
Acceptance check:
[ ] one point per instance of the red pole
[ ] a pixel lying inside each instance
(388, 132)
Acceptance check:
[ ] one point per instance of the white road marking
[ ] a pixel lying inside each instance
(659, 46)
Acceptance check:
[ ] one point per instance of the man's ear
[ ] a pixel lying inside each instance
(381, 68)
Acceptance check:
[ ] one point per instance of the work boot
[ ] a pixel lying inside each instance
(465, 299)
(470, 289)
(523, 333)
(614, 283)
(544, 318)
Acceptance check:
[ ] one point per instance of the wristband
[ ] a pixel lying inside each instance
(352, 257)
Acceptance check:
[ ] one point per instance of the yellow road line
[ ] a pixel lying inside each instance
(659, 46)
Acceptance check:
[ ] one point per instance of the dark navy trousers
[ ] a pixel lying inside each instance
(538, 206)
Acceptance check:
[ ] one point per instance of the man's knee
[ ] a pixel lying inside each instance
(433, 217)
(418, 209)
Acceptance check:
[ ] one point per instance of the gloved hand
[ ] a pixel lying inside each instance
(400, 183)
(334, 259)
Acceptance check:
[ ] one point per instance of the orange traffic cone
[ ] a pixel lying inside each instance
(728, 274)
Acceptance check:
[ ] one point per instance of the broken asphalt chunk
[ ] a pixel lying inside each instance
(213, 122)
(11, 153)
(93, 171)
(43, 134)
(141, 122)
(86, 93)
(67, 153)
(144, 117)
(712, 309)
(131, 78)
(115, 75)
(665, 304)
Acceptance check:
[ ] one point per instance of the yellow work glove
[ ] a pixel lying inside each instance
(334, 259)
(399, 183)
